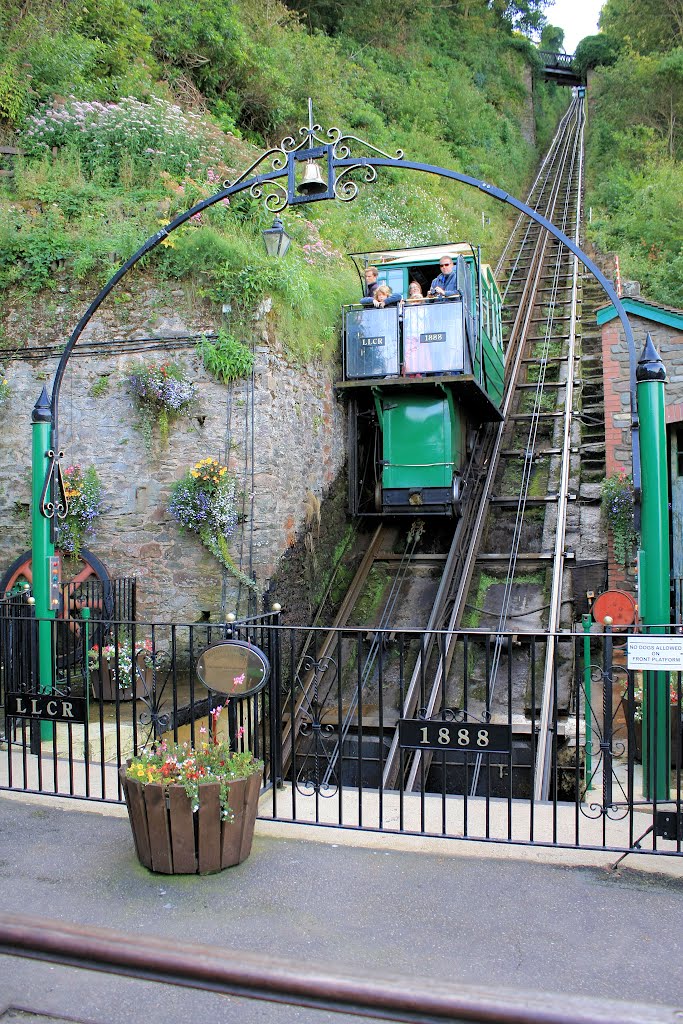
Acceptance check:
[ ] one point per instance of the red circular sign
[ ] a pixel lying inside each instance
(618, 604)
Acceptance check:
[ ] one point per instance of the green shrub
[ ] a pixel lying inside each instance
(15, 92)
(227, 358)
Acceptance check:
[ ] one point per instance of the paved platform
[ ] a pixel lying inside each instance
(437, 910)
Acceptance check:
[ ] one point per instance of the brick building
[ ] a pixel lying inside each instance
(665, 325)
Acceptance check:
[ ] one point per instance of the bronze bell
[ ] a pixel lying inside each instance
(312, 183)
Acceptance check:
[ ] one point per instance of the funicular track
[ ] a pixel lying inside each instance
(540, 293)
(539, 285)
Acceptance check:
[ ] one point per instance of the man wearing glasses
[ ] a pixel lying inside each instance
(446, 283)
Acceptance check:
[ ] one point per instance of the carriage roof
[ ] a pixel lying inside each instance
(418, 254)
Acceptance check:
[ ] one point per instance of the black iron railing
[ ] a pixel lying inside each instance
(354, 732)
(131, 684)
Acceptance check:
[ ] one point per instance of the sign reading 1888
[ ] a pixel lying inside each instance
(421, 734)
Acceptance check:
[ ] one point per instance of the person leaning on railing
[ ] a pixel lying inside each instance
(382, 296)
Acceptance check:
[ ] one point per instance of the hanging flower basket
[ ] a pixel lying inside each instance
(162, 394)
(204, 501)
(83, 490)
(616, 503)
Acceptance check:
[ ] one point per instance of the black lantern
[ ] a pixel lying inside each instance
(276, 239)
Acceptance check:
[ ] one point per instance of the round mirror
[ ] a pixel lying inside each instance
(234, 668)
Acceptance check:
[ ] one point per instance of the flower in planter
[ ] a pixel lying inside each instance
(204, 501)
(162, 394)
(118, 654)
(191, 767)
(119, 659)
(83, 490)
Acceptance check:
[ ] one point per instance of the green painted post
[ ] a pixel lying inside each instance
(42, 548)
(653, 569)
(587, 622)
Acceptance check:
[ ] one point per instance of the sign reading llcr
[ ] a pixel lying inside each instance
(46, 707)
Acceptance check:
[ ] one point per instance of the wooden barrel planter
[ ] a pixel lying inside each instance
(104, 681)
(172, 839)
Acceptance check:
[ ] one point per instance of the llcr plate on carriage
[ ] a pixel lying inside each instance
(234, 668)
(421, 734)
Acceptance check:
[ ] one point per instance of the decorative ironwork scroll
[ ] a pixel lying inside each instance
(319, 762)
(608, 748)
(53, 497)
(329, 148)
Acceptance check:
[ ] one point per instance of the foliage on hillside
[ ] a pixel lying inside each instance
(635, 144)
(130, 111)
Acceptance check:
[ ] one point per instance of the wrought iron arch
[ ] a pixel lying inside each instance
(334, 152)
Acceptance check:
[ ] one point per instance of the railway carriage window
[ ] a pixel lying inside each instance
(433, 338)
(394, 278)
(423, 275)
(372, 342)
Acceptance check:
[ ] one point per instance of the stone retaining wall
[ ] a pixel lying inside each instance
(297, 444)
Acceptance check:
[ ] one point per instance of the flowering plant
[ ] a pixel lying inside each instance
(118, 653)
(162, 393)
(191, 767)
(83, 490)
(616, 502)
(204, 501)
(638, 696)
(5, 391)
(157, 132)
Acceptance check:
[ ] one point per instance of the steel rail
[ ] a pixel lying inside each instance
(410, 699)
(552, 179)
(540, 182)
(472, 531)
(544, 742)
(341, 618)
(564, 178)
(405, 564)
(248, 975)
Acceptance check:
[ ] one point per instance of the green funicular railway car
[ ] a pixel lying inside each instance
(420, 377)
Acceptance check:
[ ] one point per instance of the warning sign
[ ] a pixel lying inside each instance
(655, 652)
